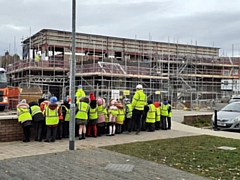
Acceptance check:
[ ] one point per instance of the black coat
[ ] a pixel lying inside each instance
(64, 111)
(37, 117)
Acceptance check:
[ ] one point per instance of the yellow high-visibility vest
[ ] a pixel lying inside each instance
(93, 114)
(24, 114)
(129, 114)
(139, 100)
(164, 109)
(158, 115)
(67, 116)
(51, 116)
(120, 116)
(82, 111)
(151, 114)
(35, 110)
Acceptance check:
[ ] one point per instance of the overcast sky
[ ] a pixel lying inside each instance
(205, 22)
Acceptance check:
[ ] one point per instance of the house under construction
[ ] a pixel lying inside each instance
(177, 71)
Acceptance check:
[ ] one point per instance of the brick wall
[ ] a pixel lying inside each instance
(11, 129)
(192, 118)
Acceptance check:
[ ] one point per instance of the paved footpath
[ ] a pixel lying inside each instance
(36, 160)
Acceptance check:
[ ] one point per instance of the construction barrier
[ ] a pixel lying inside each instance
(13, 93)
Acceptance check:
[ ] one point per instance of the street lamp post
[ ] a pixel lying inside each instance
(72, 81)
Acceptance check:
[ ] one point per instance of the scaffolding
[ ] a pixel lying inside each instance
(186, 74)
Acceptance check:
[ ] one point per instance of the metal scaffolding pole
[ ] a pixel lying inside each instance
(72, 81)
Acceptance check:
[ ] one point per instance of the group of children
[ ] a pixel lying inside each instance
(50, 120)
(94, 117)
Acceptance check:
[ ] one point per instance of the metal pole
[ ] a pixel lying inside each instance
(72, 81)
(168, 68)
(215, 120)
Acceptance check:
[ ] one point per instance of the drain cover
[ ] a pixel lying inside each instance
(119, 167)
(227, 148)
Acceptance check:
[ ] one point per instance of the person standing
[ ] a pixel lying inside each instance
(158, 115)
(105, 112)
(164, 113)
(169, 118)
(80, 93)
(43, 103)
(25, 118)
(150, 112)
(37, 58)
(120, 118)
(82, 116)
(138, 103)
(66, 116)
(128, 114)
(101, 117)
(93, 117)
(60, 126)
(38, 120)
(113, 112)
(52, 113)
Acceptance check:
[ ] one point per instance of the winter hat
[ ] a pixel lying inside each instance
(85, 99)
(156, 104)
(91, 96)
(100, 101)
(149, 101)
(23, 101)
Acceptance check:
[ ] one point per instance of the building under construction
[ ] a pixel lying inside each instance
(183, 73)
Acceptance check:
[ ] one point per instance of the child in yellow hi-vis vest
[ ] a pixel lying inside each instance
(169, 118)
(52, 113)
(120, 118)
(150, 112)
(65, 107)
(158, 115)
(25, 118)
(105, 111)
(113, 112)
(164, 113)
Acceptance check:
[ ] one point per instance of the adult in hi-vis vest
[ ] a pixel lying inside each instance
(52, 112)
(164, 113)
(38, 120)
(138, 102)
(25, 118)
(79, 94)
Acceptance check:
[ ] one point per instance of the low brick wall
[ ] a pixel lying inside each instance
(10, 129)
(188, 119)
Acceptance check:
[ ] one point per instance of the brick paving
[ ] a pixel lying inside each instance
(87, 164)
(39, 160)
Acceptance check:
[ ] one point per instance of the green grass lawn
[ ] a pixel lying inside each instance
(196, 154)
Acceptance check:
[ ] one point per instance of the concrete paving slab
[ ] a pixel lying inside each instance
(88, 164)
